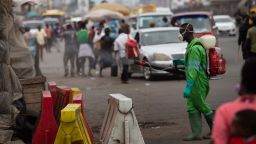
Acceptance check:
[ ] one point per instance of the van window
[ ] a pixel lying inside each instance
(157, 21)
(200, 23)
(160, 37)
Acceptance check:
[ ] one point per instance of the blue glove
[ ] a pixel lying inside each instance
(187, 90)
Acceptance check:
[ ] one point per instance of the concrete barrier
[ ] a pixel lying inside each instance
(120, 124)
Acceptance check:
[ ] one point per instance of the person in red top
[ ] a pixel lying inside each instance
(226, 113)
(243, 129)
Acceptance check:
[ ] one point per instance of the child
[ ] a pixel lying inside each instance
(243, 129)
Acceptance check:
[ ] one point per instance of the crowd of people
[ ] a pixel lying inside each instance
(99, 45)
(43, 38)
(247, 37)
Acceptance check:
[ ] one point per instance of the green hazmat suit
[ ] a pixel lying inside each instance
(197, 79)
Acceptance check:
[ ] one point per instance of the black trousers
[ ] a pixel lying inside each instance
(251, 55)
(37, 62)
(125, 73)
(69, 57)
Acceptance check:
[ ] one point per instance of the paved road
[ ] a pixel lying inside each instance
(158, 103)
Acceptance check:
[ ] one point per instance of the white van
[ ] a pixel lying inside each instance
(155, 19)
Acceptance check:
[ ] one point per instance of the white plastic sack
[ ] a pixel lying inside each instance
(208, 41)
(85, 50)
(10, 88)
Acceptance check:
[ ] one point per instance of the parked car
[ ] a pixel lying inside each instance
(159, 47)
(225, 25)
(202, 22)
(144, 20)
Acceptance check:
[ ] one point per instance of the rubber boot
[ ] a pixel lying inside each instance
(209, 119)
(196, 127)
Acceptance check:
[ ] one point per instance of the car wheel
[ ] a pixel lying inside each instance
(147, 72)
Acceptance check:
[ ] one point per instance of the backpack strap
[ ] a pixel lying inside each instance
(206, 70)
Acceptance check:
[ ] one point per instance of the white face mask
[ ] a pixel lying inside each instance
(181, 36)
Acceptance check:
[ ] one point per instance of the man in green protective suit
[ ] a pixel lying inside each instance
(197, 80)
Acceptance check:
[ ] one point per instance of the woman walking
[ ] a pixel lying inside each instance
(107, 44)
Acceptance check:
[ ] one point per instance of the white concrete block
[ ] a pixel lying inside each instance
(120, 125)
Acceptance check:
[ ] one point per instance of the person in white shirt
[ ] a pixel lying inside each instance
(96, 44)
(40, 39)
(120, 51)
